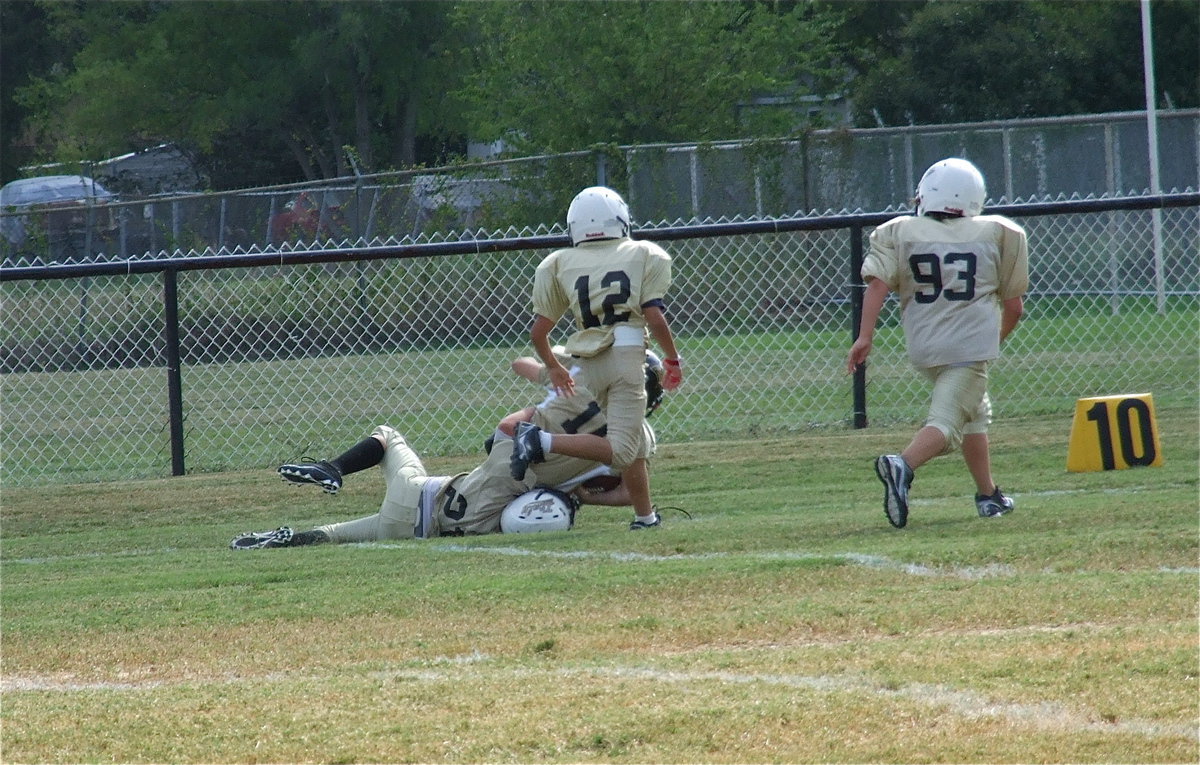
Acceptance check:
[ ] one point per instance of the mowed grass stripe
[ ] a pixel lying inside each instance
(1048, 715)
(785, 622)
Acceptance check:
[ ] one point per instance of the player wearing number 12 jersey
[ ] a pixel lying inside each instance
(614, 287)
(961, 278)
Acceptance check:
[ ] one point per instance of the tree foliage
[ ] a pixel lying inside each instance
(302, 80)
(969, 61)
(268, 92)
(555, 76)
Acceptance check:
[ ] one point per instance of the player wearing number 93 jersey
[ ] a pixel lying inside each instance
(950, 276)
(961, 277)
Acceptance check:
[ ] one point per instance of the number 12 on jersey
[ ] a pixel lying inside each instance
(608, 314)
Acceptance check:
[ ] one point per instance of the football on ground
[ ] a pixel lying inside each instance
(601, 483)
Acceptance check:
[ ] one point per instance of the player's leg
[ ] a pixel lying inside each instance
(626, 406)
(531, 444)
(617, 376)
(626, 413)
(534, 441)
(955, 401)
(927, 443)
(283, 536)
(576, 414)
(990, 501)
(586, 446)
(977, 454)
(896, 471)
(959, 398)
(328, 474)
(405, 475)
(636, 478)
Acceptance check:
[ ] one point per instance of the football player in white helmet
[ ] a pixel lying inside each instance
(538, 510)
(417, 505)
(954, 187)
(961, 277)
(615, 287)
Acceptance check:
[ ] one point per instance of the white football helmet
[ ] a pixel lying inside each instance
(538, 510)
(953, 186)
(597, 213)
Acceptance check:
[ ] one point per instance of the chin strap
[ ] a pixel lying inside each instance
(659, 510)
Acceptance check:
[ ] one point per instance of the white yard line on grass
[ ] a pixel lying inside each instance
(867, 560)
(1046, 715)
(859, 559)
(85, 556)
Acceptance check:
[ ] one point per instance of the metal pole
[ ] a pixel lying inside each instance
(694, 177)
(174, 378)
(1160, 288)
(857, 288)
(1114, 222)
(90, 213)
(364, 306)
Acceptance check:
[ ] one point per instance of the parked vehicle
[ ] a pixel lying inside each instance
(310, 216)
(57, 218)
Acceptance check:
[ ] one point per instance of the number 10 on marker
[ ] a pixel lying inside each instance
(1113, 433)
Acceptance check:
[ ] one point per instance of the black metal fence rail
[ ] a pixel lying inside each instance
(845, 286)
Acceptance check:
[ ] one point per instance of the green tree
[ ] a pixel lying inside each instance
(302, 80)
(553, 76)
(969, 61)
(27, 47)
(274, 91)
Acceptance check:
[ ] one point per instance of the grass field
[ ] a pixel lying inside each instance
(785, 621)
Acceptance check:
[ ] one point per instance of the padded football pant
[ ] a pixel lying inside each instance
(405, 476)
(618, 378)
(960, 403)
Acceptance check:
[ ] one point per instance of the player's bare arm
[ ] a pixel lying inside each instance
(508, 425)
(614, 497)
(528, 368)
(876, 293)
(660, 330)
(1011, 311)
(539, 335)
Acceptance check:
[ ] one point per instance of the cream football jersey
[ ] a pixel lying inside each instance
(602, 284)
(951, 276)
(471, 503)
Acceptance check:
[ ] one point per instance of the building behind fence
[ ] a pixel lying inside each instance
(144, 368)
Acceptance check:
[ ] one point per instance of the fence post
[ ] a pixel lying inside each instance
(857, 287)
(174, 378)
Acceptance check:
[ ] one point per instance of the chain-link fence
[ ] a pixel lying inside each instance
(821, 171)
(379, 208)
(870, 169)
(106, 376)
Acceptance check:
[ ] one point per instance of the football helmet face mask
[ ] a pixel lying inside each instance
(538, 510)
(654, 388)
(953, 186)
(596, 213)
